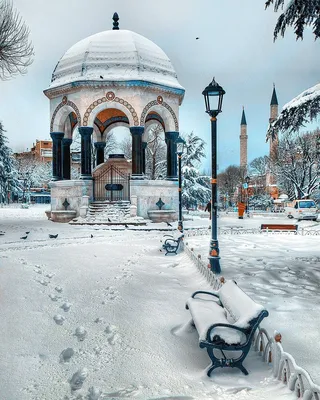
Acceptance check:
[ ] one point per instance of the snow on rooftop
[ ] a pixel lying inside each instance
(115, 55)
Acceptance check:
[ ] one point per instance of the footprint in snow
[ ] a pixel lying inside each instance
(54, 297)
(78, 378)
(112, 335)
(59, 319)
(80, 333)
(66, 355)
(126, 392)
(58, 289)
(94, 393)
(66, 307)
(43, 283)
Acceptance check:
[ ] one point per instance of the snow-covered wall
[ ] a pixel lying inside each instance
(73, 191)
(148, 193)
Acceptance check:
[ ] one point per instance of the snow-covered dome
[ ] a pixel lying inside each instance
(115, 55)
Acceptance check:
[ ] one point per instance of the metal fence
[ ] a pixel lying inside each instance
(283, 364)
(251, 231)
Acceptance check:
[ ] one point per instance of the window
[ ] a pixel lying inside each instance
(307, 204)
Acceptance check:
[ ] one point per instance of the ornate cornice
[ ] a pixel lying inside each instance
(75, 86)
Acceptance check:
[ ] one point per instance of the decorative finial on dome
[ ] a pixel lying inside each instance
(115, 21)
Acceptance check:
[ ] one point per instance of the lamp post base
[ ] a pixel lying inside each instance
(214, 264)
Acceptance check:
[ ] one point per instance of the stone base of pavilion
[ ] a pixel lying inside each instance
(146, 196)
(148, 193)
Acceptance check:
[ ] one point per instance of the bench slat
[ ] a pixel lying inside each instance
(205, 314)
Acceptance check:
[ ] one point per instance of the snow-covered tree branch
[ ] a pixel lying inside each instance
(302, 109)
(296, 13)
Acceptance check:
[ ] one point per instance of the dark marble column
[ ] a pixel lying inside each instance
(136, 133)
(144, 146)
(66, 160)
(100, 146)
(171, 138)
(85, 133)
(57, 155)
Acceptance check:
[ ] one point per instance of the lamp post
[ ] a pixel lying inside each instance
(213, 93)
(180, 146)
(247, 179)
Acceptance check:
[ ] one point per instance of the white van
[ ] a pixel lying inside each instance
(303, 209)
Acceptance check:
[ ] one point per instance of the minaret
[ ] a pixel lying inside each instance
(243, 142)
(273, 117)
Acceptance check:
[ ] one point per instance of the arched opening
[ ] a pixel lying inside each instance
(155, 147)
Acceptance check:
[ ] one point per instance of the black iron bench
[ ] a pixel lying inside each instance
(171, 245)
(226, 321)
(279, 228)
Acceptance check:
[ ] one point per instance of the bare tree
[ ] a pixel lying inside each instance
(156, 153)
(16, 51)
(126, 147)
(229, 181)
(296, 164)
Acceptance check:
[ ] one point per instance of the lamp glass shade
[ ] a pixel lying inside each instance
(213, 97)
(180, 145)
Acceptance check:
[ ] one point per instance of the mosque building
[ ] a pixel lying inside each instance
(270, 180)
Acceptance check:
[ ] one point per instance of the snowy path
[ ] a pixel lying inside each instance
(117, 304)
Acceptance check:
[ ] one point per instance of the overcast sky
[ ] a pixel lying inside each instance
(236, 46)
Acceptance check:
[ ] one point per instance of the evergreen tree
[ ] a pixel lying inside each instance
(299, 14)
(196, 188)
(194, 150)
(8, 173)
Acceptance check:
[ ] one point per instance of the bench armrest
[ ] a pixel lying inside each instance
(170, 240)
(222, 325)
(204, 292)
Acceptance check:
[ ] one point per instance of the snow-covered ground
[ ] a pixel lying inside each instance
(118, 305)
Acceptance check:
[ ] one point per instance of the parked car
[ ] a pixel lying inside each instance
(303, 209)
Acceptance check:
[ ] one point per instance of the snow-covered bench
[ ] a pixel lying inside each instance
(279, 228)
(226, 321)
(171, 245)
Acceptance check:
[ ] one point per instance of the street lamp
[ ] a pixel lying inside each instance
(213, 96)
(180, 147)
(247, 179)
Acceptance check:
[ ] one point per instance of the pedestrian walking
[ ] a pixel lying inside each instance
(208, 208)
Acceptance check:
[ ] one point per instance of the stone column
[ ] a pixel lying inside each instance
(57, 155)
(66, 161)
(100, 146)
(136, 133)
(144, 146)
(171, 138)
(85, 133)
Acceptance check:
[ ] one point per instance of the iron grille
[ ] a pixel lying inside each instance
(112, 178)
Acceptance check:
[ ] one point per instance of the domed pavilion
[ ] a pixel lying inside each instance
(110, 79)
